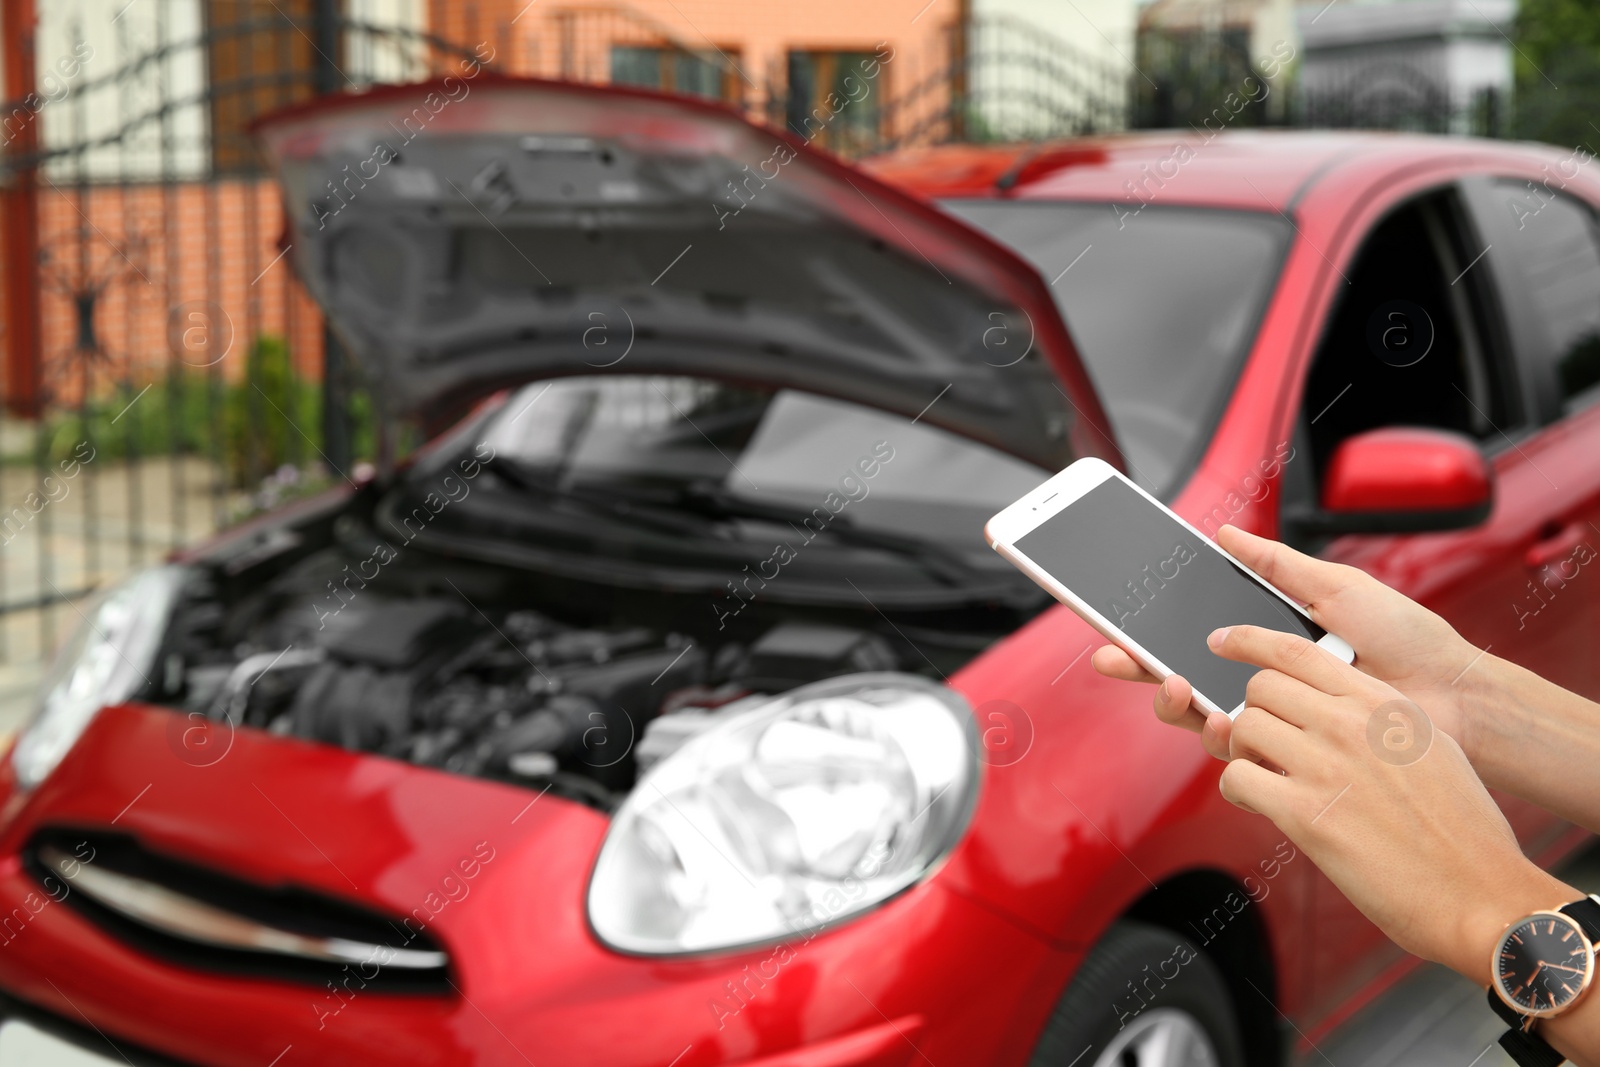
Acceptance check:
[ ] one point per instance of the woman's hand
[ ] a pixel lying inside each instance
(1396, 640)
(1388, 808)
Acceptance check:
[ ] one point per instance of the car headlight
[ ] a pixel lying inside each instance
(802, 812)
(107, 660)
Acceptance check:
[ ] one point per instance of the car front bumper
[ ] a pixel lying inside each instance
(932, 974)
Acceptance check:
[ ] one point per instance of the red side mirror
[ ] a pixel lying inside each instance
(1406, 479)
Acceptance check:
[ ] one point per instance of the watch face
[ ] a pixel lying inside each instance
(1543, 963)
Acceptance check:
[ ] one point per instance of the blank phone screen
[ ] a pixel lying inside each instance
(1161, 584)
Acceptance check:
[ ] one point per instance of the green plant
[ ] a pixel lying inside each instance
(1558, 72)
(269, 418)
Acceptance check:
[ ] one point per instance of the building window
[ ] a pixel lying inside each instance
(833, 99)
(673, 71)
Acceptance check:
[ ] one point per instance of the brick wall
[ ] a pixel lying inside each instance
(543, 39)
(178, 268)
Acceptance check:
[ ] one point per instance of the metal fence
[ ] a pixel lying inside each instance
(176, 378)
(993, 78)
(168, 375)
(1184, 78)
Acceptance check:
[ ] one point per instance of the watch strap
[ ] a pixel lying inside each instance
(1525, 1048)
(1585, 911)
(1530, 1050)
(1508, 1015)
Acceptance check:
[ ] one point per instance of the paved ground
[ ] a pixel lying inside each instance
(1435, 1018)
(61, 536)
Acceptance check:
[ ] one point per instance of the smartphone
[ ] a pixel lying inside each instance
(1144, 578)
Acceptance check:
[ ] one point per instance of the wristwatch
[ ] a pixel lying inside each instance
(1542, 965)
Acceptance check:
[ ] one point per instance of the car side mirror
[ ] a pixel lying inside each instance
(1402, 479)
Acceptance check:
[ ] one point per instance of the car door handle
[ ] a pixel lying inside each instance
(1556, 546)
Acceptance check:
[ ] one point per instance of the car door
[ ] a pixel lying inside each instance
(1417, 340)
(1546, 263)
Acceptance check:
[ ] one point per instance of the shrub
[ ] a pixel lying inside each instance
(251, 427)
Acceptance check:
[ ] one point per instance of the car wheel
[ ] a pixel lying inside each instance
(1144, 997)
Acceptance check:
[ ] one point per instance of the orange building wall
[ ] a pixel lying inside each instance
(160, 254)
(757, 35)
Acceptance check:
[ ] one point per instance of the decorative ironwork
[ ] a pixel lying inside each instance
(186, 378)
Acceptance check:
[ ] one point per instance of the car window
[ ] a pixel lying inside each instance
(1556, 251)
(775, 445)
(1163, 303)
(1406, 345)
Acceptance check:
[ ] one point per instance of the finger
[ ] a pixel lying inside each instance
(1113, 662)
(1289, 653)
(1255, 789)
(1288, 698)
(1305, 578)
(1214, 737)
(1260, 735)
(1174, 704)
(1174, 697)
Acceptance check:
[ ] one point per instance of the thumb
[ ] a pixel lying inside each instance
(1305, 578)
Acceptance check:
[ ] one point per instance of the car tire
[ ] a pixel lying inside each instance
(1127, 1008)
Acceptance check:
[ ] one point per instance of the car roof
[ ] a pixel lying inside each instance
(1258, 170)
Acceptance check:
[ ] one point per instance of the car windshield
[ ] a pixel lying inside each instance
(772, 446)
(1163, 305)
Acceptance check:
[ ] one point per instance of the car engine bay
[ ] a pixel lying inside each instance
(505, 682)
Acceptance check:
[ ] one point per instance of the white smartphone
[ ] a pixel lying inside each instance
(1144, 578)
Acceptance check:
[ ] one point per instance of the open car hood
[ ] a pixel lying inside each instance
(470, 234)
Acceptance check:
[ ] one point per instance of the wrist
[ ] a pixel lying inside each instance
(1484, 709)
(1520, 892)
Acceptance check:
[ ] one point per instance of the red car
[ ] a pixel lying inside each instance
(668, 709)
